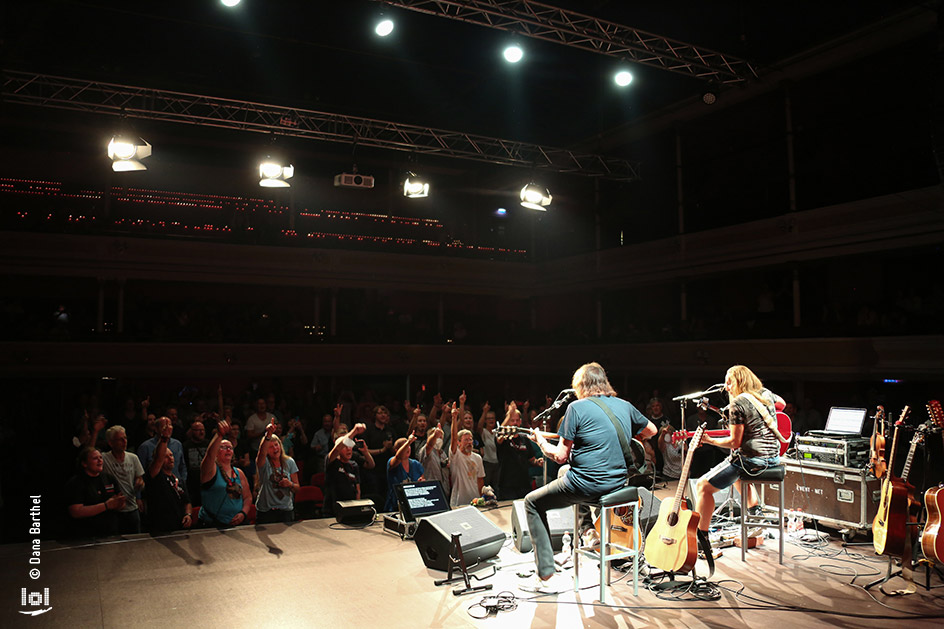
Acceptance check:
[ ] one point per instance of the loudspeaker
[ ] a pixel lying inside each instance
(559, 520)
(480, 538)
(720, 497)
(648, 510)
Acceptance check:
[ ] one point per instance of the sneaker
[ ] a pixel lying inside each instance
(590, 539)
(557, 584)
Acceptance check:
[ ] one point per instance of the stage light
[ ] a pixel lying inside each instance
(126, 154)
(415, 187)
(501, 212)
(513, 54)
(273, 175)
(623, 78)
(709, 97)
(535, 197)
(229, 3)
(384, 27)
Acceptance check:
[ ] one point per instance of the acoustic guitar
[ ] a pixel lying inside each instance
(621, 527)
(672, 544)
(931, 541)
(514, 430)
(890, 523)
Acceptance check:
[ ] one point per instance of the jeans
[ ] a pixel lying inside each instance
(554, 495)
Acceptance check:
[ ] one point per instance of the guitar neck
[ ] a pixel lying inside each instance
(683, 478)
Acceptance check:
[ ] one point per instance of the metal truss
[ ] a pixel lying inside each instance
(152, 104)
(585, 32)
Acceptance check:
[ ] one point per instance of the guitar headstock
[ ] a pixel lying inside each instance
(505, 430)
(935, 413)
(903, 416)
(880, 414)
(696, 438)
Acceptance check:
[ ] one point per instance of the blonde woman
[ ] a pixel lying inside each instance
(754, 445)
(277, 480)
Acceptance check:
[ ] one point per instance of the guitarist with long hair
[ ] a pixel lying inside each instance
(590, 443)
(755, 445)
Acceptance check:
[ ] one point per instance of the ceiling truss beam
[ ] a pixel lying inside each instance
(553, 24)
(166, 106)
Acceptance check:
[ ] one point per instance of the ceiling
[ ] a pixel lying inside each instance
(432, 71)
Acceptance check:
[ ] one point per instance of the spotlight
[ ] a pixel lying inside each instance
(384, 27)
(229, 3)
(535, 197)
(501, 212)
(623, 78)
(709, 97)
(415, 187)
(273, 175)
(126, 154)
(513, 54)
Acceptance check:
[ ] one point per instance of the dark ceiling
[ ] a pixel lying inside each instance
(447, 74)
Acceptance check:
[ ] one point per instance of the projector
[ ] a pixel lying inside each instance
(353, 180)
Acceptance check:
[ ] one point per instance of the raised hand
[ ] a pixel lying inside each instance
(485, 407)
(337, 411)
(462, 398)
(223, 428)
(165, 427)
(359, 428)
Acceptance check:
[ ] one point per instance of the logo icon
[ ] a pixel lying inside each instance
(35, 599)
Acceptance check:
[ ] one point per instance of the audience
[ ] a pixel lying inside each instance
(276, 480)
(465, 466)
(93, 498)
(222, 471)
(168, 500)
(224, 488)
(401, 468)
(128, 473)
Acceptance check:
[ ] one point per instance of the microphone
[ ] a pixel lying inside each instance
(694, 396)
(563, 398)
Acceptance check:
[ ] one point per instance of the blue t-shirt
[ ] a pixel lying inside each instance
(596, 460)
(395, 476)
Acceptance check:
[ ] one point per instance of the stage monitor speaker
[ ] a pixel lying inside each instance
(648, 510)
(480, 539)
(354, 511)
(559, 520)
(721, 496)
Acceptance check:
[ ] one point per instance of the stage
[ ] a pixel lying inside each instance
(318, 574)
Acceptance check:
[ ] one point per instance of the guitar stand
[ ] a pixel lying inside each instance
(456, 558)
(892, 573)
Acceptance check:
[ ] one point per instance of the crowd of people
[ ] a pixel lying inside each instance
(209, 462)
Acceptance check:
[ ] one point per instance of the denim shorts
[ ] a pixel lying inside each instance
(725, 473)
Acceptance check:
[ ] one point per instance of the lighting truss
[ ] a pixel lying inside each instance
(553, 24)
(166, 106)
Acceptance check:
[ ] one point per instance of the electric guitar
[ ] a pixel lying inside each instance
(888, 528)
(784, 425)
(672, 544)
(932, 543)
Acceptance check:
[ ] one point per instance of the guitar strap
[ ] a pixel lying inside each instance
(625, 445)
(765, 415)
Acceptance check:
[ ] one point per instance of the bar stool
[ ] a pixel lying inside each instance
(771, 476)
(625, 497)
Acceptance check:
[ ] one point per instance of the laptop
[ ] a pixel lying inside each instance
(421, 499)
(842, 422)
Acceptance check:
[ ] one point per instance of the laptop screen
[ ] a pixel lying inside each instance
(420, 499)
(847, 421)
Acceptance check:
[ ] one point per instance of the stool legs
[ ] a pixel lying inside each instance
(745, 517)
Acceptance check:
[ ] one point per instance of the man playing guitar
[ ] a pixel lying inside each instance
(589, 442)
(755, 445)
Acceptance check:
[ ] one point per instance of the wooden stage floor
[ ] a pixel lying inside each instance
(312, 574)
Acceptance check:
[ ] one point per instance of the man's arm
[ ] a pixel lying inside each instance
(208, 464)
(454, 441)
(559, 453)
